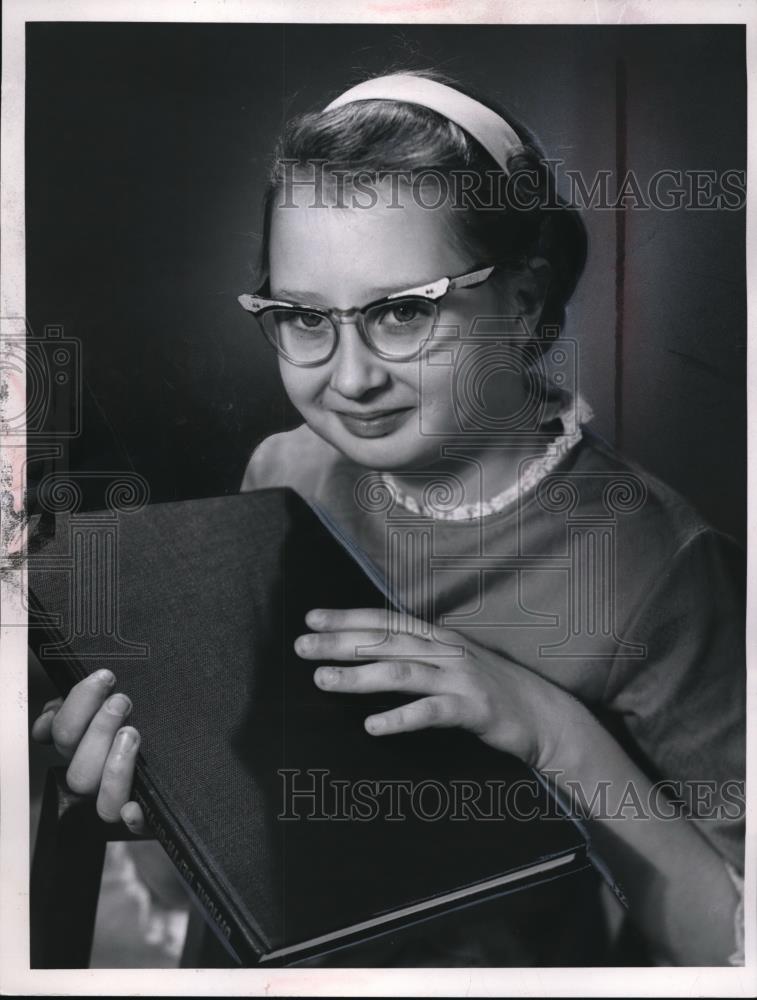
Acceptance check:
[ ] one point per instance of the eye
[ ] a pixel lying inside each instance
(405, 312)
(301, 322)
(311, 321)
(402, 313)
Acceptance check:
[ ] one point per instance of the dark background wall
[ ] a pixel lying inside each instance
(147, 146)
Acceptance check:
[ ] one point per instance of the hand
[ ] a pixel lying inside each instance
(87, 728)
(506, 705)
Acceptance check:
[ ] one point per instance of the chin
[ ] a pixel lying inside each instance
(391, 452)
(375, 454)
(387, 454)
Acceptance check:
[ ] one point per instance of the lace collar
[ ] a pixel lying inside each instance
(573, 413)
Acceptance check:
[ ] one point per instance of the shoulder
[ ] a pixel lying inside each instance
(297, 458)
(666, 561)
(644, 508)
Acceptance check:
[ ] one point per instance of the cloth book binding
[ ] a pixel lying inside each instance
(298, 833)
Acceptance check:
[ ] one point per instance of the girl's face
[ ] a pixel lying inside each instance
(381, 414)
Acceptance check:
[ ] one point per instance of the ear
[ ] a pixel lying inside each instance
(527, 290)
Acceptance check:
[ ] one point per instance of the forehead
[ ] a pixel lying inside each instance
(345, 250)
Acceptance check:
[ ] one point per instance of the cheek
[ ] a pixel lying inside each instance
(434, 386)
(302, 385)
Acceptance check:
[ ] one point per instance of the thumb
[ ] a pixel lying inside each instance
(134, 818)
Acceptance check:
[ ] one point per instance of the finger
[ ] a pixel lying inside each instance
(426, 713)
(380, 619)
(361, 644)
(86, 768)
(392, 675)
(118, 775)
(78, 710)
(43, 724)
(134, 818)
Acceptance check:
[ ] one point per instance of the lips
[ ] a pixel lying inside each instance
(379, 423)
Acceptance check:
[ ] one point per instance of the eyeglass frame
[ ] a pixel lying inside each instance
(432, 291)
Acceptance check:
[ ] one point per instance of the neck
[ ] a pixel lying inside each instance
(472, 475)
(476, 472)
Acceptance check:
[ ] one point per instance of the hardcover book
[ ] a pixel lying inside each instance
(299, 834)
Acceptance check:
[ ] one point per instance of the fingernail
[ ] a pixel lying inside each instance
(315, 617)
(41, 719)
(303, 643)
(375, 724)
(126, 739)
(130, 816)
(104, 677)
(119, 704)
(327, 676)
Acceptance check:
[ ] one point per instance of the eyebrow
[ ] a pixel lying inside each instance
(371, 295)
(285, 293)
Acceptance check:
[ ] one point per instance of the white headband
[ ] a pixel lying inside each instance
(497, 137)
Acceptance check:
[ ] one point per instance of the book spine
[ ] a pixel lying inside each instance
(244, 946)
(219, 912)
(594, 859)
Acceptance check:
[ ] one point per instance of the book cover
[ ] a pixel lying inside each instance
(297, 832)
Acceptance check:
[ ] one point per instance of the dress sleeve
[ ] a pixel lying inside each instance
(297, 459)
(259, 470)
(683, 704)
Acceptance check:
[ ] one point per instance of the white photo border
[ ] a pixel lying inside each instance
(15, 975)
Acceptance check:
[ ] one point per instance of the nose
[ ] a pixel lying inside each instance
(356, 370)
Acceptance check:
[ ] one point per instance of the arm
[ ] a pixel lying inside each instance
(678, 889)
(683, 706)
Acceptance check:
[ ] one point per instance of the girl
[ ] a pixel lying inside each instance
(564, 605)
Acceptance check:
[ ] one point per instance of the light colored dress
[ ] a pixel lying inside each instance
(589, 571)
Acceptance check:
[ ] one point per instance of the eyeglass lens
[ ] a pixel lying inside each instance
(395, 329)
